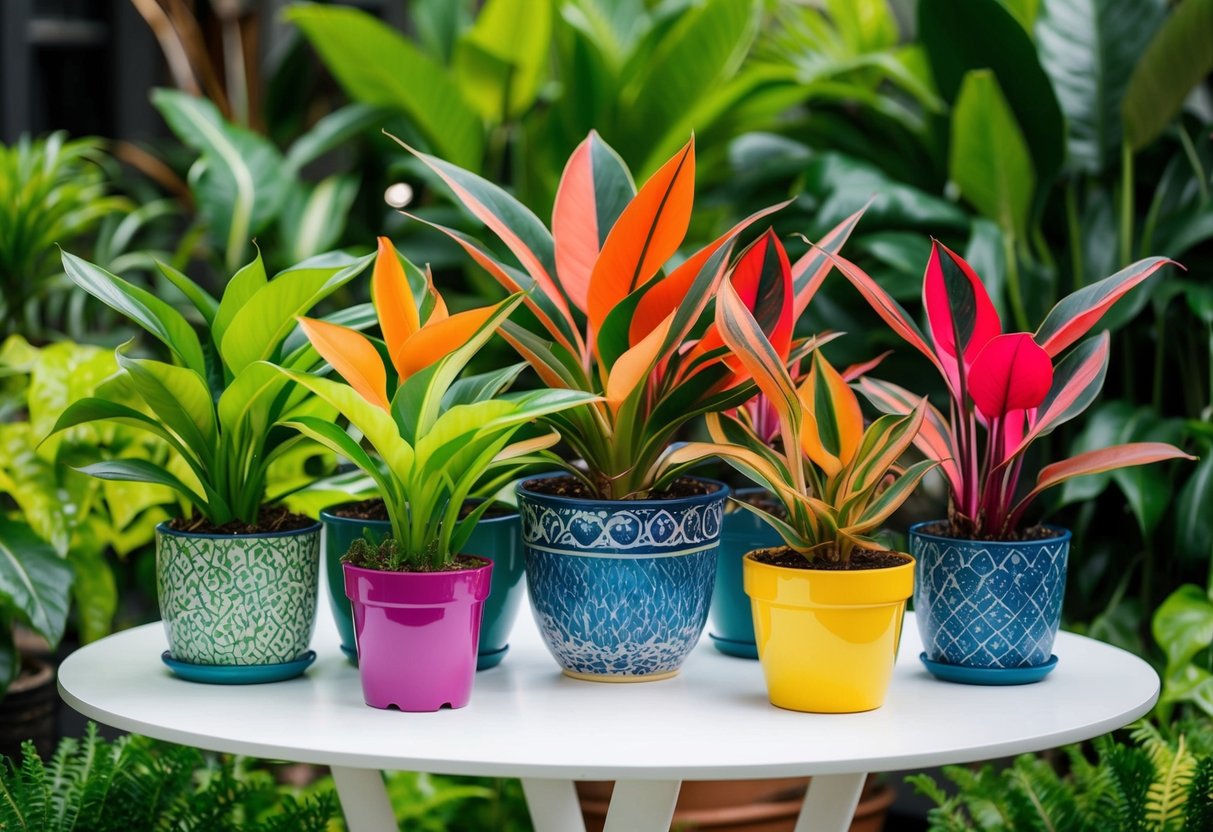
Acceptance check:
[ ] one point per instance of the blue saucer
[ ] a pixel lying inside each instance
(731, 647)
(988, 675)
(235, 674)
(491, 659)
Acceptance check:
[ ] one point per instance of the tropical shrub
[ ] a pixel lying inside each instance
(217, 402)
(611, 323)
(1003, 389)
(835, 481)
(137, 783)
(437, 439)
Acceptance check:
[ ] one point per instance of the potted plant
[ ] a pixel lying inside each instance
(237, 577)
(496, 535)
(619, 557)
(416, 596)
(990, 584)
(731, 620)
(827, 604)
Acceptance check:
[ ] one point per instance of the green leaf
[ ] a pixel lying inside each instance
(94, 589)
(206, 305)
(335, 130)
(376, 65)
(1178, 58)
(239, 180)
(341, 443)
(34, 581)
(10, 662)
(1183, 625)
(314, 216)
(179, 398)
(263, 322)
(141, 470)
(142, 307)
(964, 35)
(500, 62)
(1089, 49)
(1194, 520)
(482, 386)
(989, 159)
(63, 373)
(244, 284)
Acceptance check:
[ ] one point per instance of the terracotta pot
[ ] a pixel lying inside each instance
(740, 805)
(28, 710)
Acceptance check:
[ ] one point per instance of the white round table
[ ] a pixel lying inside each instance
(712, 721)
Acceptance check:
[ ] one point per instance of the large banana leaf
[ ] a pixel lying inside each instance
(34, 582)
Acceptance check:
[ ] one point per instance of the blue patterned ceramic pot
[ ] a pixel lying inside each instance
(238, 599)
(620, 588)
(988, 604)
(731, 617)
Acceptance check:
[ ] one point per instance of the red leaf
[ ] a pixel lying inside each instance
(1010, 373)
(959, 310)
(1075, 314)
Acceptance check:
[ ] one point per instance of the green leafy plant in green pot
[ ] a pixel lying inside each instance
(237, 578)
(829, 602)
(610, 316)
(436, 440)
(1005, 393)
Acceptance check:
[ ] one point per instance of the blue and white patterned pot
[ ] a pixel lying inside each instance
(620, 588)
(989, 604)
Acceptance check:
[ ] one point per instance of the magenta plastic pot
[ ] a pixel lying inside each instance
(417, 634)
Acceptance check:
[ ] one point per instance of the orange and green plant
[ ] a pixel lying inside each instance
(436, 437)
(617, 317)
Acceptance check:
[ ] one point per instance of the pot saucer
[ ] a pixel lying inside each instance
(491, 659)
(988, 675)
(731, 647)
(234, 674)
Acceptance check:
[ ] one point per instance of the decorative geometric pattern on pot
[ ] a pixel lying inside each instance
(989, 605)
(621, 592)
(238, 600)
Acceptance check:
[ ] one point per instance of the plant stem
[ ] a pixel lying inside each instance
(1013, 283)
(1194, 160)
(1074, 228)
(1126, 205)
(1160, 340)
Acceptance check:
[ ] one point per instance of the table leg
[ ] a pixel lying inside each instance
(642, 805)
(830, 803)
(364, 800)
(553, 805)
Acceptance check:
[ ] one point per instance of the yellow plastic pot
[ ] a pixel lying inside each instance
(827, 640)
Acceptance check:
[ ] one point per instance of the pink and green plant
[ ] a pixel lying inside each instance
(617, 319)
(1006, 389)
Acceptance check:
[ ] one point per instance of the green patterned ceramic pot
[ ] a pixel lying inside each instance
(496, 537)
(238, 599)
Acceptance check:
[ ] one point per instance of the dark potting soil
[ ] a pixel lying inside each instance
(949, 528)
(376, 509)
(861, 559)
(379, 559)
(272, 519)
(574, 488)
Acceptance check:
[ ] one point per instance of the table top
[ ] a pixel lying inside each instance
(712, 721)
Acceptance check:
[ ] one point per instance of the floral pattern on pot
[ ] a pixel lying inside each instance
(238, 599)
(620, 589)
(989, 604)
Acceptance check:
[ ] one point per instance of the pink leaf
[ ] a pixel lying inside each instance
(959, 310)
(1010, 373)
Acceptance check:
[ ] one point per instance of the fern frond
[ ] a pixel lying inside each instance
(1200, 798)
(1169, 792)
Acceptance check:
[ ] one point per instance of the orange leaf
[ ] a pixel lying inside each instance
(352, 355)
(645, 236)
(575, 225)
(439, 339)
(438, 311)
(633, 367)
(394, 301)
(832, 411)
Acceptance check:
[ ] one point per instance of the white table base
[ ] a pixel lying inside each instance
(636, 805)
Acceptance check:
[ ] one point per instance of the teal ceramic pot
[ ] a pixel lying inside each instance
(238, 600)
(496, 538)
(731, 626)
